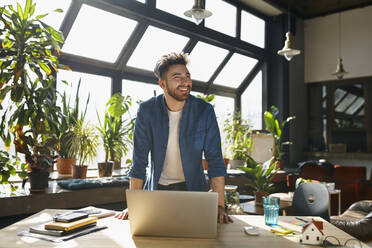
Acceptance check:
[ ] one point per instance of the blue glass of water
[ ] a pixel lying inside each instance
(271, 210)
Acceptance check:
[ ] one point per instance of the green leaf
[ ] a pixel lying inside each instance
(58, 10)
(19, 11)
(269, 122)
(32, 11)
(45, 67)
(278, 131)
(41, 16)
(27, 8)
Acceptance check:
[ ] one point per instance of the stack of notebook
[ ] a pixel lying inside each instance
(64, 224)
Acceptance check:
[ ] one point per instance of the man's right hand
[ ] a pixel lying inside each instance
(123, 215)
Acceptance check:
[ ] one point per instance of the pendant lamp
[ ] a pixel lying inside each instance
(198, 12)
(340, 71)
(287, 51)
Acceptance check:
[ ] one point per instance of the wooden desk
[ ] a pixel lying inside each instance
(118, 235)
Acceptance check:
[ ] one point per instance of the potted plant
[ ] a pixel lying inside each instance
(273, 126)
(116, 132)
(28, 60)
(67, 120)
(259, 177)
(238, 139)
(85, 144)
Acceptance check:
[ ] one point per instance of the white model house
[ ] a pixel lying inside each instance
(312, 233)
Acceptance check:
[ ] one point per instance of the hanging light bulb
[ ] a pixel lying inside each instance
(287, 51)
(198, 12)
(340, 71)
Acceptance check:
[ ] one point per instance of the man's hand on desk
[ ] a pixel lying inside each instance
(222, 216)
(123, 215)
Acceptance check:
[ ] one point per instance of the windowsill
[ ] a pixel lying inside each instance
(23, 202)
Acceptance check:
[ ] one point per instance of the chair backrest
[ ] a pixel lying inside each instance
(313, 170)
(311, 199)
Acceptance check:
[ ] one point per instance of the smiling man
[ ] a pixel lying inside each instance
(177, 128)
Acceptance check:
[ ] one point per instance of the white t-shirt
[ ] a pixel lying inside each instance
(172, 169)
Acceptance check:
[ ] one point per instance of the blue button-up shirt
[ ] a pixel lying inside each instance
(198, 133)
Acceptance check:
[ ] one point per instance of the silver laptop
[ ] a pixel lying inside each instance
(172, 213)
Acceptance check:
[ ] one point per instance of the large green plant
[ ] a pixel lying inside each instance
(259, 178)
(28, 58)
(273, 126)
(238, 136)
(117, 131)
(68, 119)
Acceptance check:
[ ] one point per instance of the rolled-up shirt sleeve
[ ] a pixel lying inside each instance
(212, 147)
(141, 145)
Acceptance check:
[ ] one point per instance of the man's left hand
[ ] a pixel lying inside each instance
(222, 216)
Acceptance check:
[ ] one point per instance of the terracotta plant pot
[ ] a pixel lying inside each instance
(64, 165)
(258, 197)
(105, 169)
(79, 171)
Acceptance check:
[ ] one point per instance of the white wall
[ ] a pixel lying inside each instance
(321, 45)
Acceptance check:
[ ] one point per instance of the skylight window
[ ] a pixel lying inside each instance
(204, 60)
(98, 34)
(223, 18)
(176, 8)
(252, 29)
(155, 43)
(235, 71)
(53, 19)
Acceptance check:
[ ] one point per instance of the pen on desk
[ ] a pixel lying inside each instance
(301, 219)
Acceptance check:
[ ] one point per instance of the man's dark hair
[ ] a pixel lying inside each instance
(167, 60)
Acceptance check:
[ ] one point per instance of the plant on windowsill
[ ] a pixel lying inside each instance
(85, 143)
(238, 138)
(259, 177)
(273, 126)
(68, 119)
(116, 132)
(28, 59)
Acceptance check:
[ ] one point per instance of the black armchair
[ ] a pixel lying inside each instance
(356, 220)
